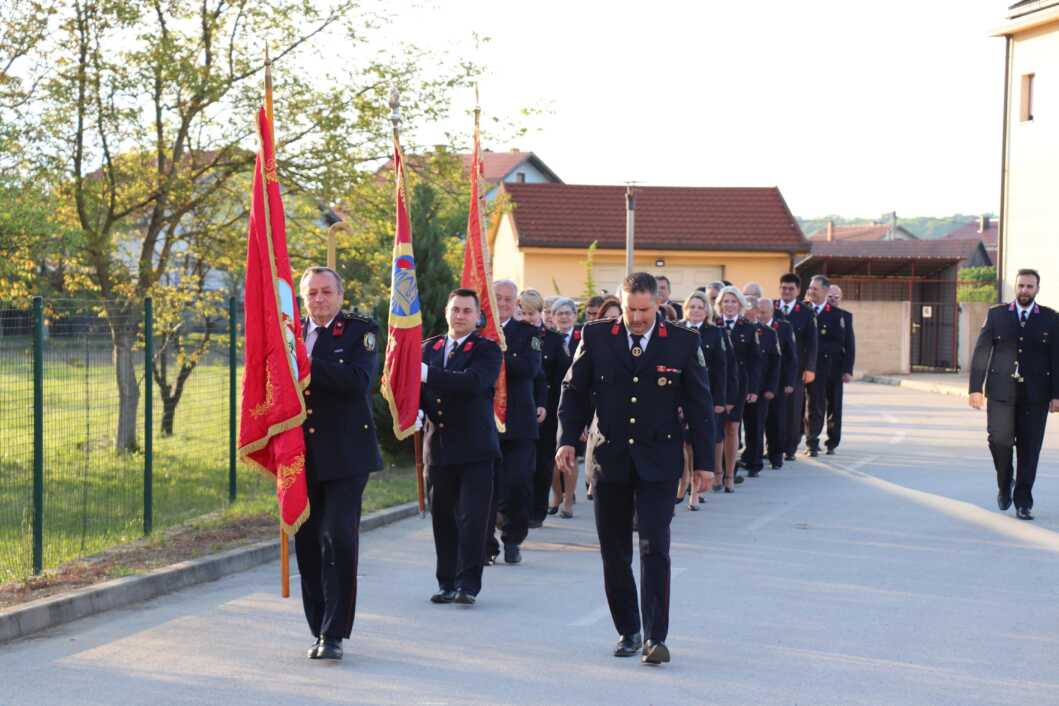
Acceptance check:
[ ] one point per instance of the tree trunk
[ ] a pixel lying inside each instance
(124, 336)
(169, 405)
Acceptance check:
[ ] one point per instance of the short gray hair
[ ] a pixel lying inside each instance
(506, 283)
(564, 302)
(753, 289)
(303, 285)
(734, 291)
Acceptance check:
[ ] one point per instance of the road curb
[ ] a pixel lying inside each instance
(936, 388)
(50, 612)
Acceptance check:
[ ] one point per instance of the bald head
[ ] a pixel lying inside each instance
(764, 310)
(752, 289)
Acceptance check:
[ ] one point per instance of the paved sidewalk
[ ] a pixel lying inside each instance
(954, 384)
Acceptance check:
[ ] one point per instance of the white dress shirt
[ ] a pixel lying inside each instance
(786, 307)
(313, 333)
(643, 339)
(450, 345)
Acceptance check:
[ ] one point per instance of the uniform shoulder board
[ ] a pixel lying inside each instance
(597, 322)
(432, 338)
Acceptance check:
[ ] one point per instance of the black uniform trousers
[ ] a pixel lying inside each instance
(835, 387)
(545, 468)
(794, 417)
(754, 415)
(775, 429)
(1016, 426)
(816, 394)
(460, 497)
(512, 492)
(614, 507)
(327, 548)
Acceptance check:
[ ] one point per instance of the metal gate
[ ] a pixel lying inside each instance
(934, 336)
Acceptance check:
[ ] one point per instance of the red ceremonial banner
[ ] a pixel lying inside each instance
(478, 275)
(277, 366)
(404, 352)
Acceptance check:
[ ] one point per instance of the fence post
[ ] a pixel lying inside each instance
(38, 435)
(148, 415)
(232, 487)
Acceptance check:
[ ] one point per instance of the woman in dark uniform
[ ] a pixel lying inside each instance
(730, 307)
(696, 311)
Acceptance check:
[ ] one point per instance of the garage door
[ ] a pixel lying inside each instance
(683, 278)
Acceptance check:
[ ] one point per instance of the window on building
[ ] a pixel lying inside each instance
(1026, 109)
(520, 177)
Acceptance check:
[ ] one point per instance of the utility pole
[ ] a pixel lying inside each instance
(630, 227)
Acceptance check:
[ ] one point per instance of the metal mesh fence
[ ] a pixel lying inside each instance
(105, 479)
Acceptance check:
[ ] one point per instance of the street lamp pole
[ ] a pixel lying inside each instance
(630, 227)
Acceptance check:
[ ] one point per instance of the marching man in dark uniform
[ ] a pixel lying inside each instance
(341, 451)
(460, 446)
(803, 321)
(1016, 359)
(831, 325)
(774, 427)
(846, 361)
(755, 413)
(633, 378)
(513, 491)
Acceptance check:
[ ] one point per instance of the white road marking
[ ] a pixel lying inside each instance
(770, 516)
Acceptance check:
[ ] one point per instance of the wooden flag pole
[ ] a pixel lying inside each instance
(421, 486)
(284, 564)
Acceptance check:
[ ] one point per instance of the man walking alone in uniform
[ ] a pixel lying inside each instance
(1016, 362)
(637, 380)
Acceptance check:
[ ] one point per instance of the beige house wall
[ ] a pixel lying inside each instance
(972, 316)
(1031, 209)
(548, 269)
(883, 333)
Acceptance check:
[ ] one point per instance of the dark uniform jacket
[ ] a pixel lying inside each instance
(555, 361)
(458, 402)
(633, 403)
(771, 360)
(339, 427)
(715, 350)
(522, 361)
(788, 351)
(803, 321)
(747, 353)
(849, 345)
(1004, 343)
(575, 339)
(731, 383)
(831, 330)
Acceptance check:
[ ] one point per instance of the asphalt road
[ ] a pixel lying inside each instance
(883, 575)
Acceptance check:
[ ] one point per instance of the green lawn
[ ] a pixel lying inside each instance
(93, 495)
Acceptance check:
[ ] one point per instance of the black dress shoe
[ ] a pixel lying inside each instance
(628, 646)
(776, 466)
(553, 510)
(490, 559)
(330, 648)
(693, 508)
(464, 598)
(512, 554)
(655, 652)
(443, 596)
(812, 453)
(738, 479)
(789, 457)
(315, 647)
(1003, 501)
(830, 451)
(1023, 513)
(752, 474)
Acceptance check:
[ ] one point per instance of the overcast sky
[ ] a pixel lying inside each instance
(851, 107)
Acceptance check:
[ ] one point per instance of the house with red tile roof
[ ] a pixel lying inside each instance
(693, 235)
(984, 230)
(514, 166)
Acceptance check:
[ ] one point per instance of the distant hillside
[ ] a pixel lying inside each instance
(926, 227)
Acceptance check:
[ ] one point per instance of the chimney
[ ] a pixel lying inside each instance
(893, 225)
(830, 230)
(983, 223)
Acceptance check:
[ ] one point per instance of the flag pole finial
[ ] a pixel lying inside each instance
(395, 107)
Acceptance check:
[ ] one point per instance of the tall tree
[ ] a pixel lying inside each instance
(142, 118)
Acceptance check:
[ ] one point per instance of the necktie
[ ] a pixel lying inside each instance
(787, 309)
(1024, 317)
(730, 324)
(637, 347)
(450, 350)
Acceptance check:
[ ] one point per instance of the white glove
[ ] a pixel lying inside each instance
(423, 370)
(419, 421)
